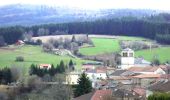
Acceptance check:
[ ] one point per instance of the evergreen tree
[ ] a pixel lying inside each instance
(71, 65)
(62, 66)
(84, 85)
(73, 39)
(33, 69)
(52, 71)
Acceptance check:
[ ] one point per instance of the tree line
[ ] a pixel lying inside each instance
(128, 26)
(5, 76)
(61, 68)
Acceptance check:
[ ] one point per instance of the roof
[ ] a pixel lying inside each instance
(140, 91)
(85, 96)
(161, 86)
(88, 67)
(128, 73)
(127, 49)
(143, 69)
(95, 71)
(147, 76)
(141, 61)
(122, 92)
(118, 72)
(99, 94)
(45, 64)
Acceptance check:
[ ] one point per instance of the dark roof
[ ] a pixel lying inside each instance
(118, 72)
(123, 92)
(87, 96)
(161, 86)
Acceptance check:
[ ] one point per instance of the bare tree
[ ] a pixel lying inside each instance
(16, 72)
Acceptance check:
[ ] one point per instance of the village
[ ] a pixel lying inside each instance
(84, 50)
(134, 79)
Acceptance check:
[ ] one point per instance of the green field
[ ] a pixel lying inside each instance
(162, 54)
(101, 46)
(105, 45)
(32, 54)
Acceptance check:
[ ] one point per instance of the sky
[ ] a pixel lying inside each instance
(97, 4)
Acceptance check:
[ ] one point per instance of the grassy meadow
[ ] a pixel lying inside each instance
(101, 46)
(105, 45)
(162, 54)
(32, 54)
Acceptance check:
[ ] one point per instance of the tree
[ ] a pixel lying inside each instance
(2, 41)
(61, 67)
(16, 73)
(52, 70)
(84, 85)
(19, 59)
(71, 65)
(73, 39)
(159, 96)
(155, 62)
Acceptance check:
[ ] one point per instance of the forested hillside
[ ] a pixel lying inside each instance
(129, 26)
(27, 15)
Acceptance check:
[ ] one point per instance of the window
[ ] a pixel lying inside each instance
(130, 54)
(125, 55)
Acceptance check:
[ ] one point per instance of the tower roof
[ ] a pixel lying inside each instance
(127, 49)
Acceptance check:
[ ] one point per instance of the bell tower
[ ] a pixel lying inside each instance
(127, 58)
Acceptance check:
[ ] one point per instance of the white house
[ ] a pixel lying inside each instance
(45, 66)
(72, 78)
(96, 74)
(147, 70)
(127, 58)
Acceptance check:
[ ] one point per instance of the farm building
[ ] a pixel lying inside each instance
(45, 66)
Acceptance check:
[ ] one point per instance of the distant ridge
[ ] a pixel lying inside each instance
(27, 15)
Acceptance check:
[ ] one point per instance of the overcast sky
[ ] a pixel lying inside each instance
(95, 4)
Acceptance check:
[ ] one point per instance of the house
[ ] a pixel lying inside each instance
(123, 94)
(45, 66)
(87, 67)
(160, 86)
(147, 70)
(140, 62)
(145, 80)
(87, 96)
(72, 78)
(96, 74)
(102, 94)
(20, 42)
(117, 73)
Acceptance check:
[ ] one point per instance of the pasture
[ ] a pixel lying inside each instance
(162, 54)
(32, 55)
(105, 44)
(109, 45)
(101, 46)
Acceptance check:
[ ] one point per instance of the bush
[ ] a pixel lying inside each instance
(19, 59)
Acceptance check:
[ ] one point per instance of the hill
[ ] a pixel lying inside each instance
(20, 14)
(32, 55)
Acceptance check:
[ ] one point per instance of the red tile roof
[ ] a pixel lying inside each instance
(140, 91)
(147, 76)
(143, 69)
(99, 94)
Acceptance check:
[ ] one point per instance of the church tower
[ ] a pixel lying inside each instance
(127, 58)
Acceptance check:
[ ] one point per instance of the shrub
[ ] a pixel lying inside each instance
(19, 59)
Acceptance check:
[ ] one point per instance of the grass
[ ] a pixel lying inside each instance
(32, 54)
(131, 38)
(161, 53)
(105, 45)
(101, 46)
